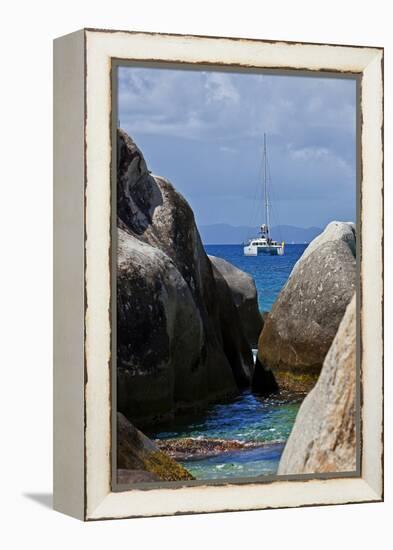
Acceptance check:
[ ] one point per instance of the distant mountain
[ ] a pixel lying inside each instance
(222, 233)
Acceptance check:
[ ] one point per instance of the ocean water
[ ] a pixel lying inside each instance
(270, 273)
(248, 417)
(237, 464)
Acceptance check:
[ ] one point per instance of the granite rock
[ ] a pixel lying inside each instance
(177, 349)
(139, 459)
(323, 438)
(245, 297)
(303, 321)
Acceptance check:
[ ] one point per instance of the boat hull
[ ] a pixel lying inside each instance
(250, 250)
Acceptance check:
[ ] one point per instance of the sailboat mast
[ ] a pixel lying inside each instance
(265, 184)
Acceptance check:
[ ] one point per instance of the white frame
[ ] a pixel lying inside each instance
(82, 472)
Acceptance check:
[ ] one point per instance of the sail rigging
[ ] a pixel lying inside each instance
(264, 243)
(267, 221)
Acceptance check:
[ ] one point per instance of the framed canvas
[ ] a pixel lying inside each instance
(207, 360)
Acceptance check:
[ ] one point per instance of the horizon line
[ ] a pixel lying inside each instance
(242, 244)
(257, 225)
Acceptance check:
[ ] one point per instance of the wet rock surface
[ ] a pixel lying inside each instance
(184, 448)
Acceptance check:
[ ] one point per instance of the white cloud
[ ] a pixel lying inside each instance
(322, 157)
(310, 123)
(220, 105)
(219, 87)
(309, 153)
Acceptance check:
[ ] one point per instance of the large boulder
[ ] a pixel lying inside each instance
(323, 438)
(233, 342)
(177, 350)
(245, 297)
(140, 460)
(305, 317)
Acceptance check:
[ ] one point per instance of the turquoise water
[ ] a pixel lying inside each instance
(247, 418)
(238, 464)
(270, 273)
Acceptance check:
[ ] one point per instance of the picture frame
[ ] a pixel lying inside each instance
(83, 278)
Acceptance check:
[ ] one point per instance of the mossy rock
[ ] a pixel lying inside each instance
(165, 467)
(137, 452)
(303, 382)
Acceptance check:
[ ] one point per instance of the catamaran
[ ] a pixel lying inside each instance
(264, 244)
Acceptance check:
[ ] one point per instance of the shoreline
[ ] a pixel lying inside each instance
(197, 448)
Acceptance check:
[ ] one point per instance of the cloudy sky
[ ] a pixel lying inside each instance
(204, 132)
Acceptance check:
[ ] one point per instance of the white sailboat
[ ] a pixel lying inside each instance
(264, 244)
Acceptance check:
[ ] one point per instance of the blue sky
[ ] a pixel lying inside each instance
(204, 130)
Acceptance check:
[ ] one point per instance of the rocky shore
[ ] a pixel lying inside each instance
(189, 447)
(187, 323)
